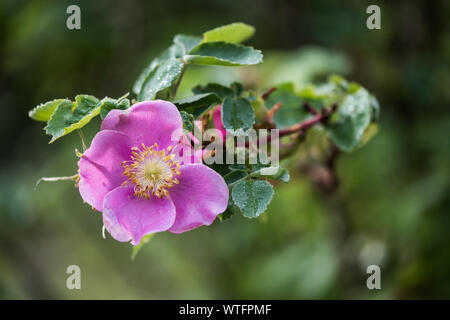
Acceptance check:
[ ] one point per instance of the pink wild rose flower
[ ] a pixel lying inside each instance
(135, 174)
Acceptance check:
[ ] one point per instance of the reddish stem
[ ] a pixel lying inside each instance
(266, 94)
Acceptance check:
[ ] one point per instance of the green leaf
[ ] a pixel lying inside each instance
(187, 42)
(231, 210)
(252, 196)
(224, 54)
(175, 51)
(233, 176)
(235, 32)
(188, 120)
(162, 77)
(108, 104)
(282, 174)
(354, 115)
(44, 111)
(291, 111)
(369, 133)
(70, 116)
(216, 88)
(375, 108)
(144, 240)
(238, 115)
(197, 104)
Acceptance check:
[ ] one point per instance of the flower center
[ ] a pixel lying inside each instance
(152, 171)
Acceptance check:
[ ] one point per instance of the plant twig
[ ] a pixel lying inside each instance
(309, 108)
(83, 141)
(266, 94)
(75, 178)
(270, 114)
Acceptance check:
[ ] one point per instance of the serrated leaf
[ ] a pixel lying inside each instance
(235, 32)
(354, 115)
(175, 51)
(238, 115)
(44, 111)
(216, 88)
(252, 196)
(187, 42)
(224, 54)
(108, 104)
(197, 104)
(70, 116)
(162, 77)
(145, 239)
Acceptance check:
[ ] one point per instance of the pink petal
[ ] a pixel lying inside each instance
(217, 119)
(185, 153)
(146, 122)
(199, 197)
(127, 217)
(99, 167)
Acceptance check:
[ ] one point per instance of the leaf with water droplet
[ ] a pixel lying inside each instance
(162, 77)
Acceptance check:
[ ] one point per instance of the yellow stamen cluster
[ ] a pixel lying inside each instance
(152, 171)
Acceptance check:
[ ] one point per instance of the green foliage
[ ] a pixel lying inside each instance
(224, 54)
(282, 174)
(69, 116)
(218, 89)
(161, 77)
(238, 115)
(197, 104)
(64, 116)
(217, 47)
(252, 196)
(291, 111)
(188, 121)
(187, 42)
(175, 51)
(350, 123)
(108, 104)
(353, 118)
(235, 33)
(357, 109)
(44, 111)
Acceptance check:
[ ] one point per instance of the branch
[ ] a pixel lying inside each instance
(321, 117)
(270, 114)
(266, 94)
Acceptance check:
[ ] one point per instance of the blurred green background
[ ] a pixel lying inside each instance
(391, 207)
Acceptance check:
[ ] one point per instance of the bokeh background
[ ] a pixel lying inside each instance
(391, 207)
